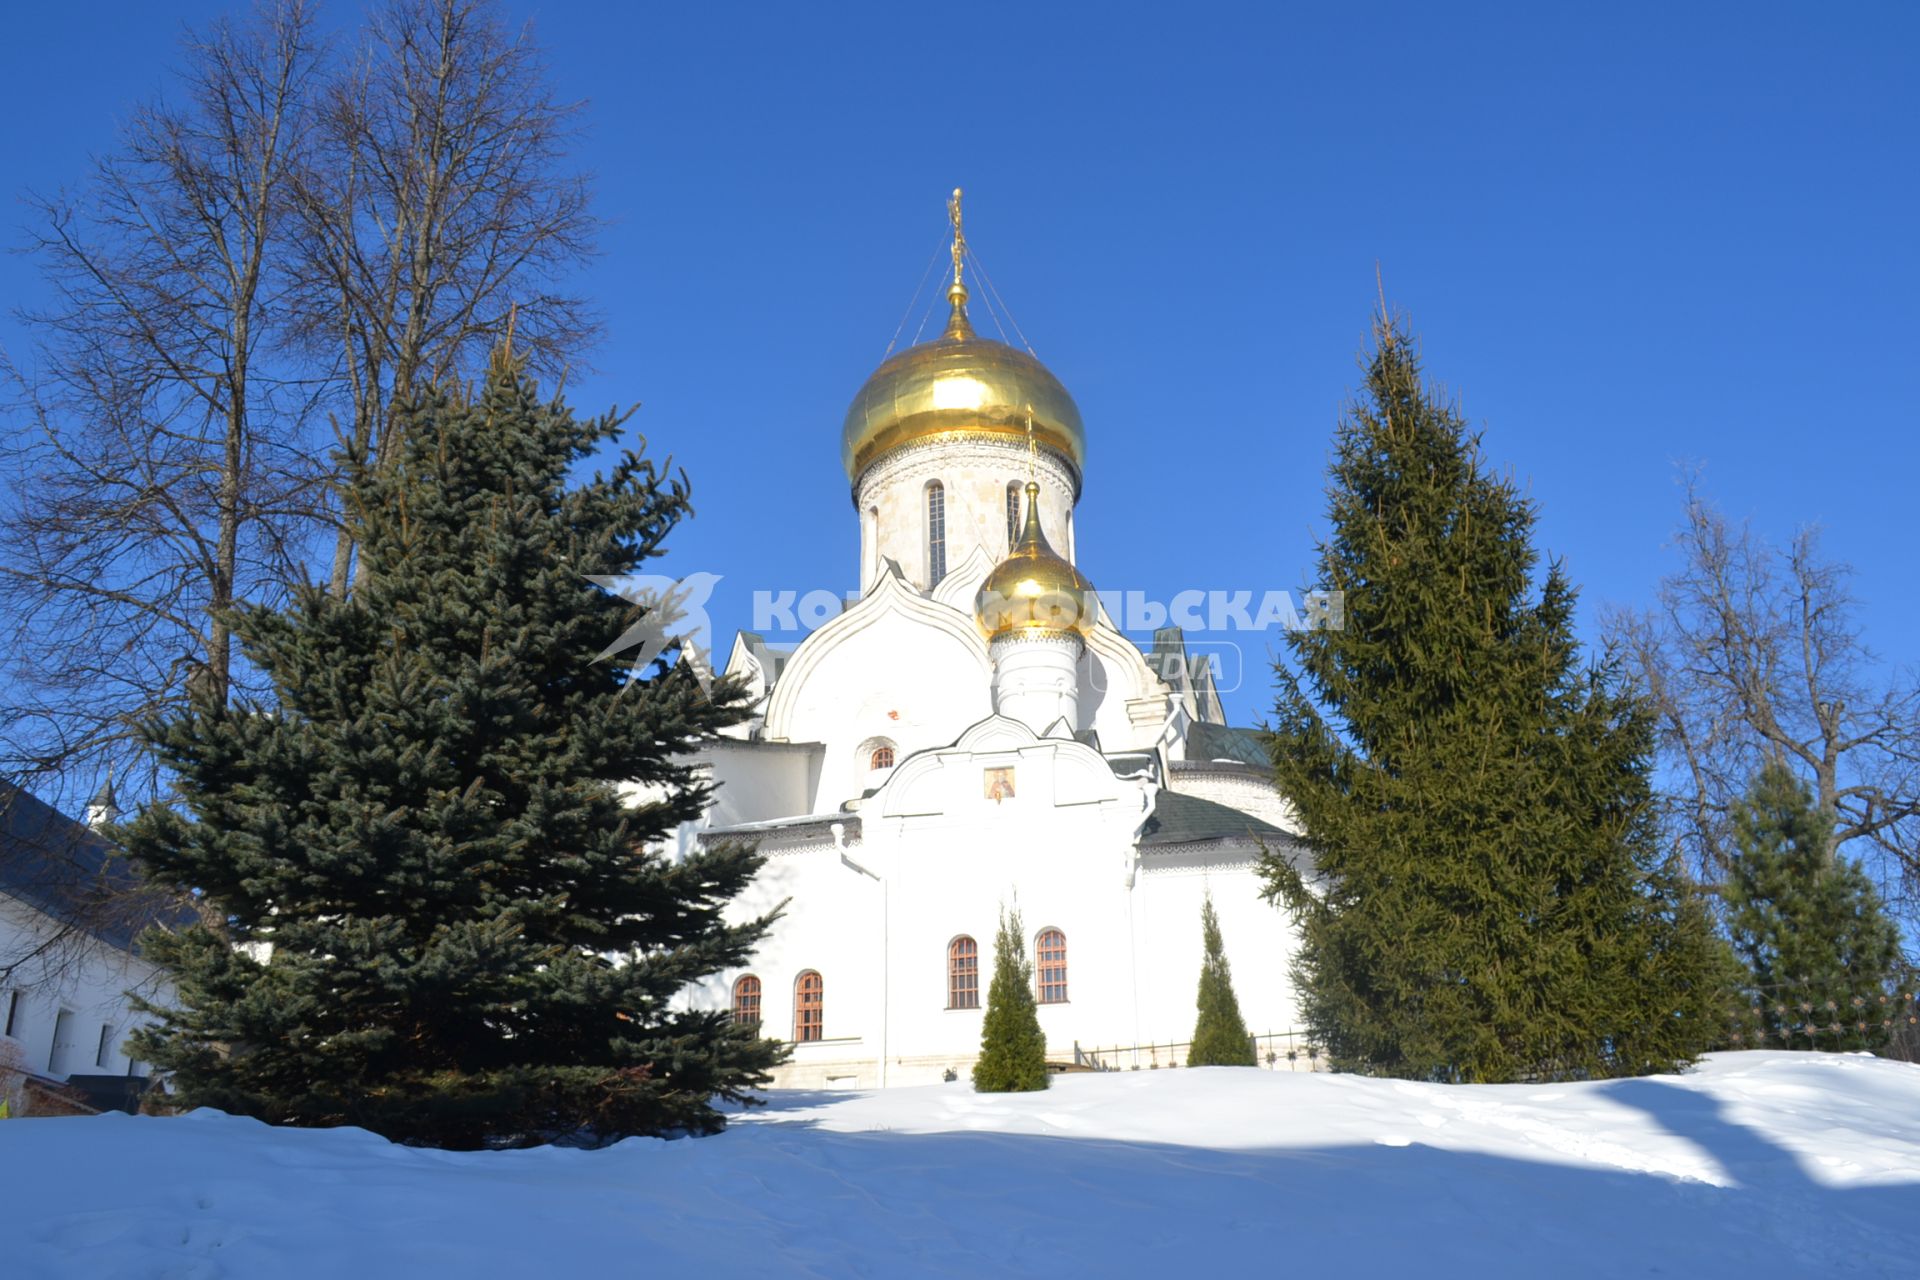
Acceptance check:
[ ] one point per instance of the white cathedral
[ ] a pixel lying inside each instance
(973, 732)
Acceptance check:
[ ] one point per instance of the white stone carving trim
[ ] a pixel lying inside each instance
(923, 459)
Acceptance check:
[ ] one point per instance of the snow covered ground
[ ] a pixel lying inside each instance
(1753, 1165)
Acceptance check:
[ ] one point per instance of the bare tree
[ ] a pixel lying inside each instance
(299, 236)
(437, 213)
(158, 466)
(1752, 653)
(294, 236)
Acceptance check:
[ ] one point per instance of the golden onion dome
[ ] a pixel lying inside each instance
(1035, 590)
(960, 385)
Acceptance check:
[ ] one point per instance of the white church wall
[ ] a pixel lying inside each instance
(1058, 845)
(933, 856)
(1071, 879)
(962, 584)
(1258, 938)
(833, 926)
(880, 673)
(760, 781)
(1034, 680)
(881, 946)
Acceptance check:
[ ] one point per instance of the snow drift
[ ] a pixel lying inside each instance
(1752, 1165)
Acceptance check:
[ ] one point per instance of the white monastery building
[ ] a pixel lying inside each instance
(68, 961)
(974, 732)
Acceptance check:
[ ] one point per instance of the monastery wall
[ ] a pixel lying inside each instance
(60, 1003)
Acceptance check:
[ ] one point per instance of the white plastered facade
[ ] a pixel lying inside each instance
(65, 1008)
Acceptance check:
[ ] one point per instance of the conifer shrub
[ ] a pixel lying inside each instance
(1484, 894)
(1220, 1036)
(431, 908)
(1819, 950)
(1013, 1049)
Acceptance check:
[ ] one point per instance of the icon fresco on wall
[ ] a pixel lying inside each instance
(998, 784)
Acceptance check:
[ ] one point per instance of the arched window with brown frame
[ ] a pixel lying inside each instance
(882, 758)
(1050, 973)
(809, 1007)
(746, 1000)
(963, 973)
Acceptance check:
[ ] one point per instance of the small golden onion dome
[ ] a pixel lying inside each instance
(960, 384)
(1035, 590)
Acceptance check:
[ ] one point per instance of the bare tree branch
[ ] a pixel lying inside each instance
(157, 457)
(267, 267)
(434, 205)
(1753, 654)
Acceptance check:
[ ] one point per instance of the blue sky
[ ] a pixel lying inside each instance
(1629, 235)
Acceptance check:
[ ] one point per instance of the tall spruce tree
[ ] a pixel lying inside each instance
(1013, 1049)
(1485, 899)
(1819, 949)
(442, 920)
(1220, 1036)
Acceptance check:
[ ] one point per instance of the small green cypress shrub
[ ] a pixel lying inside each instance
(1013, 1049)
(1220, 1035)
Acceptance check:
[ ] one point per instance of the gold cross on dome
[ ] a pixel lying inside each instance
(959, 235)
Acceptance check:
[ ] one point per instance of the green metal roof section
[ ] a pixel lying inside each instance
(1218, 742)
(1178, 818)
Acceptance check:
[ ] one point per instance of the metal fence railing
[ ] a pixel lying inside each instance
(1273, 1051)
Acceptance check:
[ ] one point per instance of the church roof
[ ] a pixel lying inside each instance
(1179, 818)
(1218, 742)
(58, 866)
(797, 822)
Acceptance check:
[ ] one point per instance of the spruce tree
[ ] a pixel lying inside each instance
(437, 916)
(1220, 1036)
(1819, 949)
(1013, 1049)
(1483, 896)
